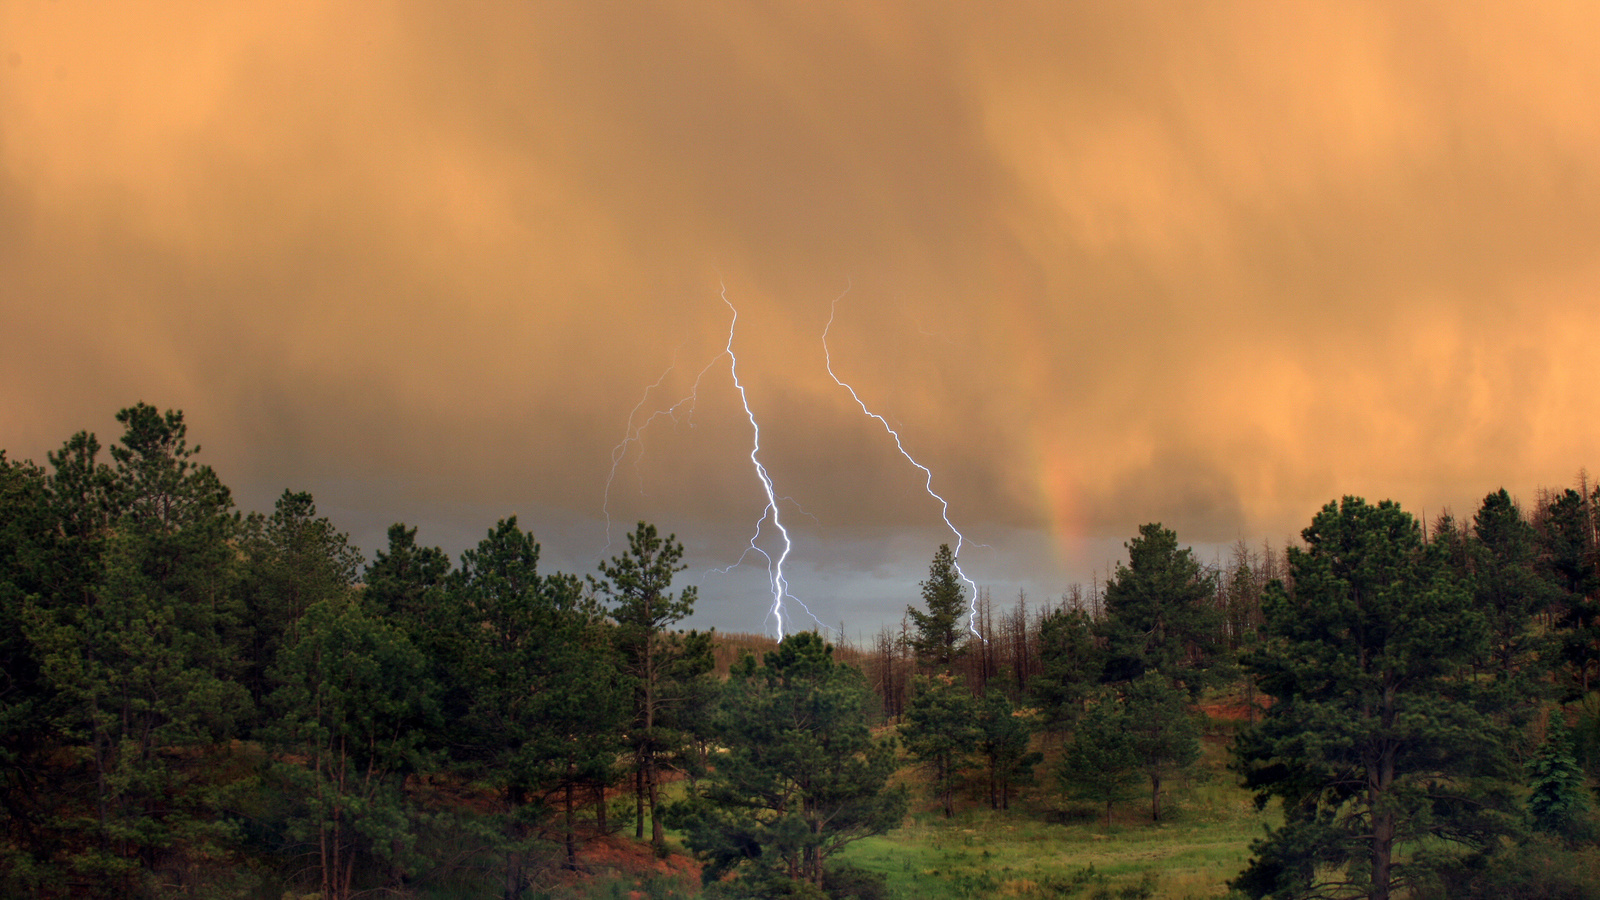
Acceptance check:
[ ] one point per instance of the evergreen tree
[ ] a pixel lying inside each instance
(416, 589)
(1160, 615)
(134, 643)
(693, 712)
(1099, 763)
(1509, 591)
(941, 733)
(177, 525)
(402, 581)
(1070, 663)
(1377, 743)
(546, 703)
(1558, 803)
(637, 584)
(1004, 735)
(1567, 549)
(1144, 728)
(295, 559)
(801, 776)
(28, 535)
(938, 641)
(353, 708)
(1161, 732)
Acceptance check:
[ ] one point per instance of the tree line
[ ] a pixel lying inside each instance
(1421, 700)
(190, 691)
(198, 701)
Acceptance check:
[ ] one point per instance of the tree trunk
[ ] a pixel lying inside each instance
(1383, 827)
(1155, 797)
(946, 790)
(638, 800)
(1380, 779)
(511, 889)
(657, 837)
(1382, 855)
(515, 798)
(649, 759)
(572, 823)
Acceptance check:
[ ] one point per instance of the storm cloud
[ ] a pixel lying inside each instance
(1100, 264)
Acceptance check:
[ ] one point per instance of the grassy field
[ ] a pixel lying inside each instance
(1044, 847)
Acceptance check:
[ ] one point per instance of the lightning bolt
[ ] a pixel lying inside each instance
(944, 505)
(633, 435)
(630, 436)
(780, 584)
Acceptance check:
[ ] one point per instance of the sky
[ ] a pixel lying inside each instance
(1099, 264)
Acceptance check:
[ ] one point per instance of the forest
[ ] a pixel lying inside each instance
(199, 701)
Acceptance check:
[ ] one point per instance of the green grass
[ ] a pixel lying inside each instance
(1040, 849)
(1044, 846)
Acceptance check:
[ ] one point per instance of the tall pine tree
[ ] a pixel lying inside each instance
(938, 641)
(1159, 613)
(136, 643)
(1379, 743)
(801, 777)
(638, 585)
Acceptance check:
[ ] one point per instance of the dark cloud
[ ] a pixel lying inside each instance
(1100, 265)
(1183, 490)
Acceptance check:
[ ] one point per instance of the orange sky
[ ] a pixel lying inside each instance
(1206, 264)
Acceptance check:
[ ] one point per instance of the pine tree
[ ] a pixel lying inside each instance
(938, 642)
(1070, 663)
(294, 559)
(28, 539)
(353, 710)
(135, 642)
(1509, 591)
(1558, 803)
(1162, 732)
(801, 776)
(1004, 735)
(1099, 764)
(545, 703)
(637, 584)
(414, 588)
(941, 732)
(1376, 741)
(1160, 615)
(1567, 550)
